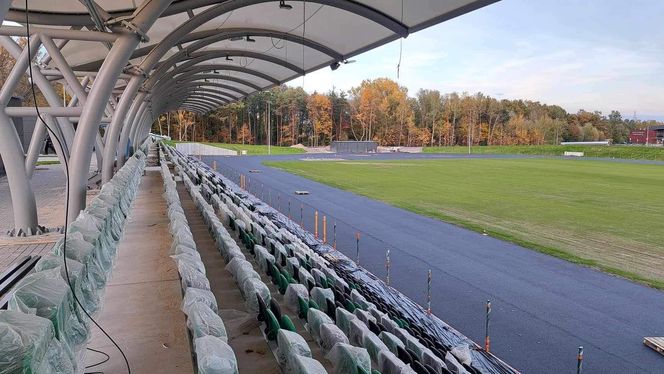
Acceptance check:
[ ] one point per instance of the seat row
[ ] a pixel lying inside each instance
(293, 354)
(46, 326)
(213, 354)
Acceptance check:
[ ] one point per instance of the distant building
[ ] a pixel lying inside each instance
(354, 146)
(652, 135)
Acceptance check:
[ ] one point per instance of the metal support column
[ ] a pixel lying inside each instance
(98, 97)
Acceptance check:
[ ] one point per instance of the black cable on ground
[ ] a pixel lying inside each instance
(66, 165)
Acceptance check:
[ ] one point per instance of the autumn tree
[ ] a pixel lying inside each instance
(320, 107)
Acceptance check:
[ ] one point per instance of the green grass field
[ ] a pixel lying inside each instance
(614, 151)
(49, 162)
(607, 215)
(251, 149)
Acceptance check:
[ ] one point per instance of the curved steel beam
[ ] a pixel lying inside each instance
(205, 98)
(184, 78)
(204, 38)
(218, 101)
(198, 57)
(199, 100)
(204, 83)
(212, 67)
(203, 90)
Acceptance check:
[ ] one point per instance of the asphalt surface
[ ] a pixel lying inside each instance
(543, 308)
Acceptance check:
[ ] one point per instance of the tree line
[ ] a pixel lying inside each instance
(382, 110)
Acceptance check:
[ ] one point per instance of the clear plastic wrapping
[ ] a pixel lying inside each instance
(344, 318)
(236, 265)
(290, 344)
(316, 318)
(192, 259)
(453, 364)
(432, 360)
(389, 363)
(330, 335)
(202, 321)
(195, 295)
(307, 365)
(293, 292)
(391, 341)
(346, 359)
(250, 289)
(374, 345)
(263, 258)
(85, 289)
(320, 295)
(214, 356)
(358, 332)
(25, 343)
(462, 354)
(46, 294)
(191, 277)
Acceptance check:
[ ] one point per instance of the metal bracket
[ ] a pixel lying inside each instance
(135, 70)
(127, 23)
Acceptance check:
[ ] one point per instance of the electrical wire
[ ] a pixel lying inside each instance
(304, 29)
(400, 44)
(106, 359)
(66, 165)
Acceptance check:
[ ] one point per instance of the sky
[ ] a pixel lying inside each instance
(580, 54)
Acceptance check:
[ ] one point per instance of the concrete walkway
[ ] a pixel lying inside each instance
(141, 308)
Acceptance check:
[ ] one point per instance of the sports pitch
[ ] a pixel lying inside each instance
(608, 215)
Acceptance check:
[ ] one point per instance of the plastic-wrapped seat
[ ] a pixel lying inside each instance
(191, 259)
(389, 363)
(28, 345)
(374, 345)
(316, 318)
(321, 295)
(347, 359)
(251, 288)
(214, 356)
(358, 332)
(330, 335)
(293, 292)
(195, 295)
(85, 289)
(306, 365)
(191, 277)
(202, 321)
(391, 341)
(47, 295)
(290, 344)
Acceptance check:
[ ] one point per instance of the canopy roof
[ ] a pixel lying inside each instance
(242, 46)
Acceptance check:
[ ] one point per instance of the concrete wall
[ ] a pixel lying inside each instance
(199, 149)
(354, 146)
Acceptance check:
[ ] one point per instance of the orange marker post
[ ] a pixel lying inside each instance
(324, 229)
(316, 225)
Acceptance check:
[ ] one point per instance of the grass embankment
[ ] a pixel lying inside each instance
(613, 151)
(251, 149)
(600, 214)
(49, 162)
